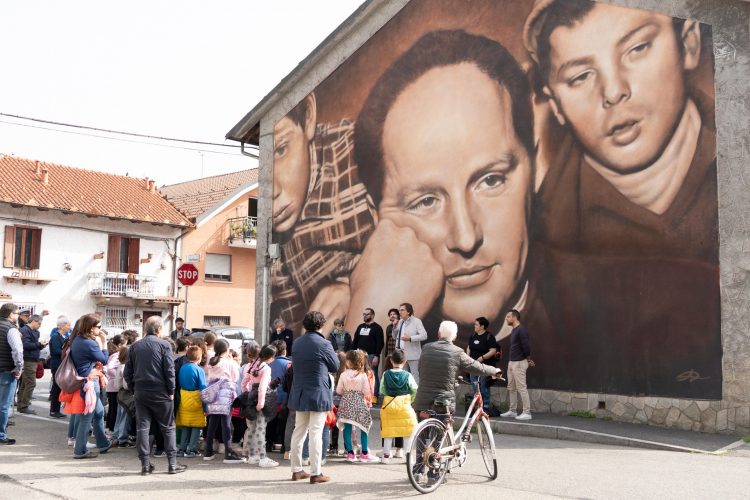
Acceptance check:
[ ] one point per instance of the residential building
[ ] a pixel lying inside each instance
(78, 241)
(221, 244)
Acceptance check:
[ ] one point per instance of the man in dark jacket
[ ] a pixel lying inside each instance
(180, 330)
(31, 349)
(57, 338)
(11, 365)
(149, 373)
(440, 364)
(311, 395)
(281, 332)
(369, 338)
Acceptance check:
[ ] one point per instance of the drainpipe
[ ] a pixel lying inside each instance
(247, 153)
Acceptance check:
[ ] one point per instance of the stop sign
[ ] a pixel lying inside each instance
(187, 274)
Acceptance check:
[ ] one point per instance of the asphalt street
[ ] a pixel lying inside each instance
(41, 466)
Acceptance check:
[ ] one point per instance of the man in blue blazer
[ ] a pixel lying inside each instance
(311, 395)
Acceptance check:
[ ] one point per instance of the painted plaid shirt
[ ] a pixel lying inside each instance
(334, 226)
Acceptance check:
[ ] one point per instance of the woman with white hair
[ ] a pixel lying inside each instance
(439, 366)
(57, 338)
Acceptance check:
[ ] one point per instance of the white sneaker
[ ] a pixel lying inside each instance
(253, 460)
(524, 416)
(509, 414)
(399, 453)
(305, 462)
(90, 446)
(385, 459)
(267, 462)
(71, 441)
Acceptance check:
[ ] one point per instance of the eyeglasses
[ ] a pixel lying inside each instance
(99, 325)
(366, 313)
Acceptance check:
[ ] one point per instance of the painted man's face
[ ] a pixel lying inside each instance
(291, 173)
(458, 176)
(617, 77)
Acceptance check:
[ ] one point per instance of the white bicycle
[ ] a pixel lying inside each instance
(435, 449)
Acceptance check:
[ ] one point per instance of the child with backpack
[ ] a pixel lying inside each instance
(259, 376)
(190, 415)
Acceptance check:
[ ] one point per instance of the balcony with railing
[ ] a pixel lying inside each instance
(242, 232)
(132, 286)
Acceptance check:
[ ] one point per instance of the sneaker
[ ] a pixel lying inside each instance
(524, 416)
(267, 462)
(254, 460)
(368, 458)
(159, 453)
(56, 414)
(71, 441)
(232, 458)
(277, 447)
(90, 446)
(126, 444)
(209, 456)
(351, 457)
(385, 459)
(88, 454)
(509, 414)
(305, 461)
(180, 453)
(27, 411)
(493, 412)
(8, 441)
(400, 453)
(104, 450)
(192, 454)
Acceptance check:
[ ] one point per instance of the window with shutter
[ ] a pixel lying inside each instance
(23, 247)
(218, 267)
(123, 254)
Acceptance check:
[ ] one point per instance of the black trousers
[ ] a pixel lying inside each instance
(157, 408)
(54, 394)
(111, 418)
(216, 422)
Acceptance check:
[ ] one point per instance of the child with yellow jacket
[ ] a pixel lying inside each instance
(397, 417)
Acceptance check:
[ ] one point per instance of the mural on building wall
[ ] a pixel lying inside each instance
(553, 156)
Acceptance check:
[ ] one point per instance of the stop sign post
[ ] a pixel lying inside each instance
(187, 274)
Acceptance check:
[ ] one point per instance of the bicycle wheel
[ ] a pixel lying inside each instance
(487, 447)
(424, 465)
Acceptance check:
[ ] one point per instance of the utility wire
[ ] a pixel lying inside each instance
(108, 131)
(120, 139)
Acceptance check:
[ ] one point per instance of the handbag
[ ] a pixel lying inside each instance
(126, 399)
(40, 369)
(66, 376)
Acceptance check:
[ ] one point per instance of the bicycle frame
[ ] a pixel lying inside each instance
(470, 419)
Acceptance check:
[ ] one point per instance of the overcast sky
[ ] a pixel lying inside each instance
(189, 69)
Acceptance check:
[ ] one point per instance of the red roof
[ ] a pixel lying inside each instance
(194, 198)
(68, 189)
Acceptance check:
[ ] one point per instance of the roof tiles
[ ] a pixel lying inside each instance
(194, 198)
(82, 191)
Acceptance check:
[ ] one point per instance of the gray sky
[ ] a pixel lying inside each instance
(188, 69)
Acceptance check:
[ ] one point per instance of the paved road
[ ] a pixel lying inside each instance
(41, 466)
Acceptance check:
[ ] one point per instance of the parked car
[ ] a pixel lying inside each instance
(237, 336)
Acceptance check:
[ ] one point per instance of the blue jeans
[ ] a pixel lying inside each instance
(122, 424)
(7, 392)
(84, 424)
(484, 389)
(326, 442)
(189, 438)
(73, 426)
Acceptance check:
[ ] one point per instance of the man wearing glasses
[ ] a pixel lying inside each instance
(409, 335)
(369, 337)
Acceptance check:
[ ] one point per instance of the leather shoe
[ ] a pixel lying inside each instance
(177, 468)
(8, 441)
(296, 476)
(320, 478)
(147, 469)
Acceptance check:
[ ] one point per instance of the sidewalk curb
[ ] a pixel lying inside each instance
(586, 436)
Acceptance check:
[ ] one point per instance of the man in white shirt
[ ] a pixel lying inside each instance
(409, 334)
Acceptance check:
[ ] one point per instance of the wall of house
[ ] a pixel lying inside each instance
(75, 239)
(235, 298)
(727, 411)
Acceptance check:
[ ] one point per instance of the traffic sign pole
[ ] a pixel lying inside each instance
(187, 289)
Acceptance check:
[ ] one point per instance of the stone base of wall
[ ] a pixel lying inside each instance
(705, 416)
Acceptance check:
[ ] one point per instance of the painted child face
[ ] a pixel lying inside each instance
(291, 173)
(617, 78)
(459, 177)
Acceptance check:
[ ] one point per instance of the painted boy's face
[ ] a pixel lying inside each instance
(458, 176)
(617, 77)
(291, 173)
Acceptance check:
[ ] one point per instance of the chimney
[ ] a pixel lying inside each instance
(152, 186)
(145, 182)
(38, 170)
(45, 176)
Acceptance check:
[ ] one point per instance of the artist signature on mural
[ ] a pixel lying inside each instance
(690, 376)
